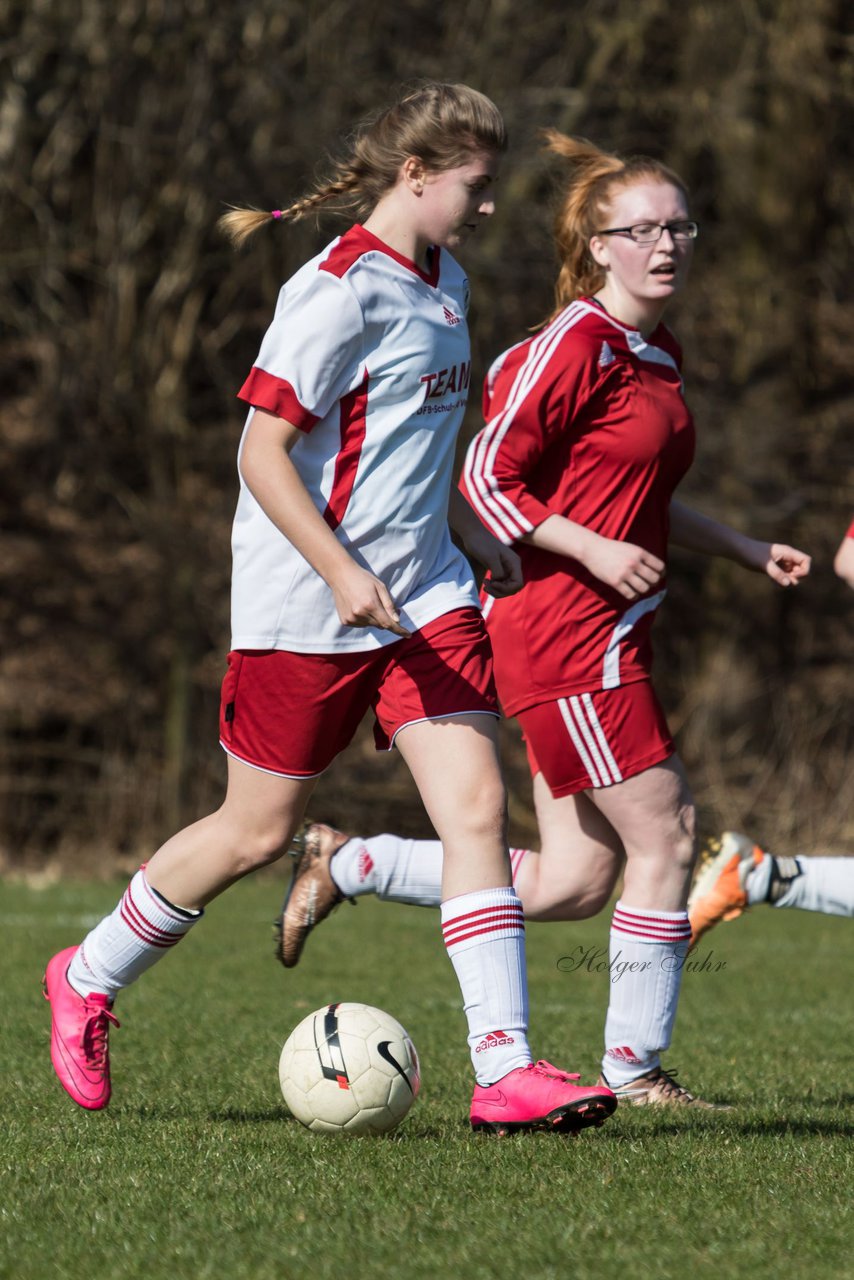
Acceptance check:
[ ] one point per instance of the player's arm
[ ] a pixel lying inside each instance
(624, 566)
(785, 565)
(266, 467)
(843, 563)
(512, 444)
(503, 563)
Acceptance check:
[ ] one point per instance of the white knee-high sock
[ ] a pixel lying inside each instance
(396, 869)
(647, 954)
(141, 929)
(825, 885)
(484, 935)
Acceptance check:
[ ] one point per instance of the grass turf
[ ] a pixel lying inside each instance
(196, 1170)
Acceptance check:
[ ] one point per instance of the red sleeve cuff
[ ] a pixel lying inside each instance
(264, 391)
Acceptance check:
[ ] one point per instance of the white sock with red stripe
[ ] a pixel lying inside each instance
(484, 935)
(647, 955)
(142, 928)
(395, 869)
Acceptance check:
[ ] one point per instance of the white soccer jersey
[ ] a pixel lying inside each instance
(369, 356)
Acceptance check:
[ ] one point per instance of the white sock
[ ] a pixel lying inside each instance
(647, 954)
(484, 935)
(140, 930)
(396, 869)
(811, 884)
(391, 867)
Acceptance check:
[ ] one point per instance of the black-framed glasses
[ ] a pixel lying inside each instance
(650, 232)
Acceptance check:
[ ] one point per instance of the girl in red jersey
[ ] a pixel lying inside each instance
(587, 437)
(348, 595)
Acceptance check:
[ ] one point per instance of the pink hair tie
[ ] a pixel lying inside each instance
(276, 213)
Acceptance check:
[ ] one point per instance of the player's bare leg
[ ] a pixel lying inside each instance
(653, 813)
(454, 763)
(571, 878)
(574, 873)
(253, 827)
(163, 901)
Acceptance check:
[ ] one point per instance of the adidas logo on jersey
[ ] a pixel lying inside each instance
(493, 1039)
(623, 1054)
(450, 317)
(606, 356)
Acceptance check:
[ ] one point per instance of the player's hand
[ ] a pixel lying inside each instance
(364, 601)
(622, 565)
(503, 563)
(784, 565)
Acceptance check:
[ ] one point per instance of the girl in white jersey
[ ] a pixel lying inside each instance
(348, 594)
(587, 437)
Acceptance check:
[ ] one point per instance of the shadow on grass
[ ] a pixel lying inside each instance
(728, 1124)
(638, 1126)
(734, 1125)
(243, 1115)
(407, 1132)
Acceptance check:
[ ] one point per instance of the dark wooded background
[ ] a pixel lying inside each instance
(128, 325)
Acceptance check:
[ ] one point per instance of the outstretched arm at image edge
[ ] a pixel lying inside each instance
(785, 565)
(843, 563)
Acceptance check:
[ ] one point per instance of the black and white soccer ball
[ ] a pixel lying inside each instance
(349, 1068)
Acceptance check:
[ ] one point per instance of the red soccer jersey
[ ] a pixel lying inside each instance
(584, 420)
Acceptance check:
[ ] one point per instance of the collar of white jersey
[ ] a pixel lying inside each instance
(366, 240)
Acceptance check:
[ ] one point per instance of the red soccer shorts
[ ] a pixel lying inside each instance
(292, 713)
(596, 739)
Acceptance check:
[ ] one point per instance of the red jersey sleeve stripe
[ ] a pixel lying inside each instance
(353, 420)
(264, 390)
(495, 508)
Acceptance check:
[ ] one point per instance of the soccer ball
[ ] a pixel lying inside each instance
(349, 1068)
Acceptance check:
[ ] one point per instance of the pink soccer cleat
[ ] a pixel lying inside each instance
(539, 1096)
(79, 1049)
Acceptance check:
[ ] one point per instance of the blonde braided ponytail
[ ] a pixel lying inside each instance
(441, 124)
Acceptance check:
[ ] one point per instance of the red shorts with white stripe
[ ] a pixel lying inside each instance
(596, 739)
(292, 713)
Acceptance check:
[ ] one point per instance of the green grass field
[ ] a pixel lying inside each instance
(196, 1170)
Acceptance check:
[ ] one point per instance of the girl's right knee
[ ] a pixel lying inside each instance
(260, 845)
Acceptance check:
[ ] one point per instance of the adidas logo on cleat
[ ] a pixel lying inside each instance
(493, 1039)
